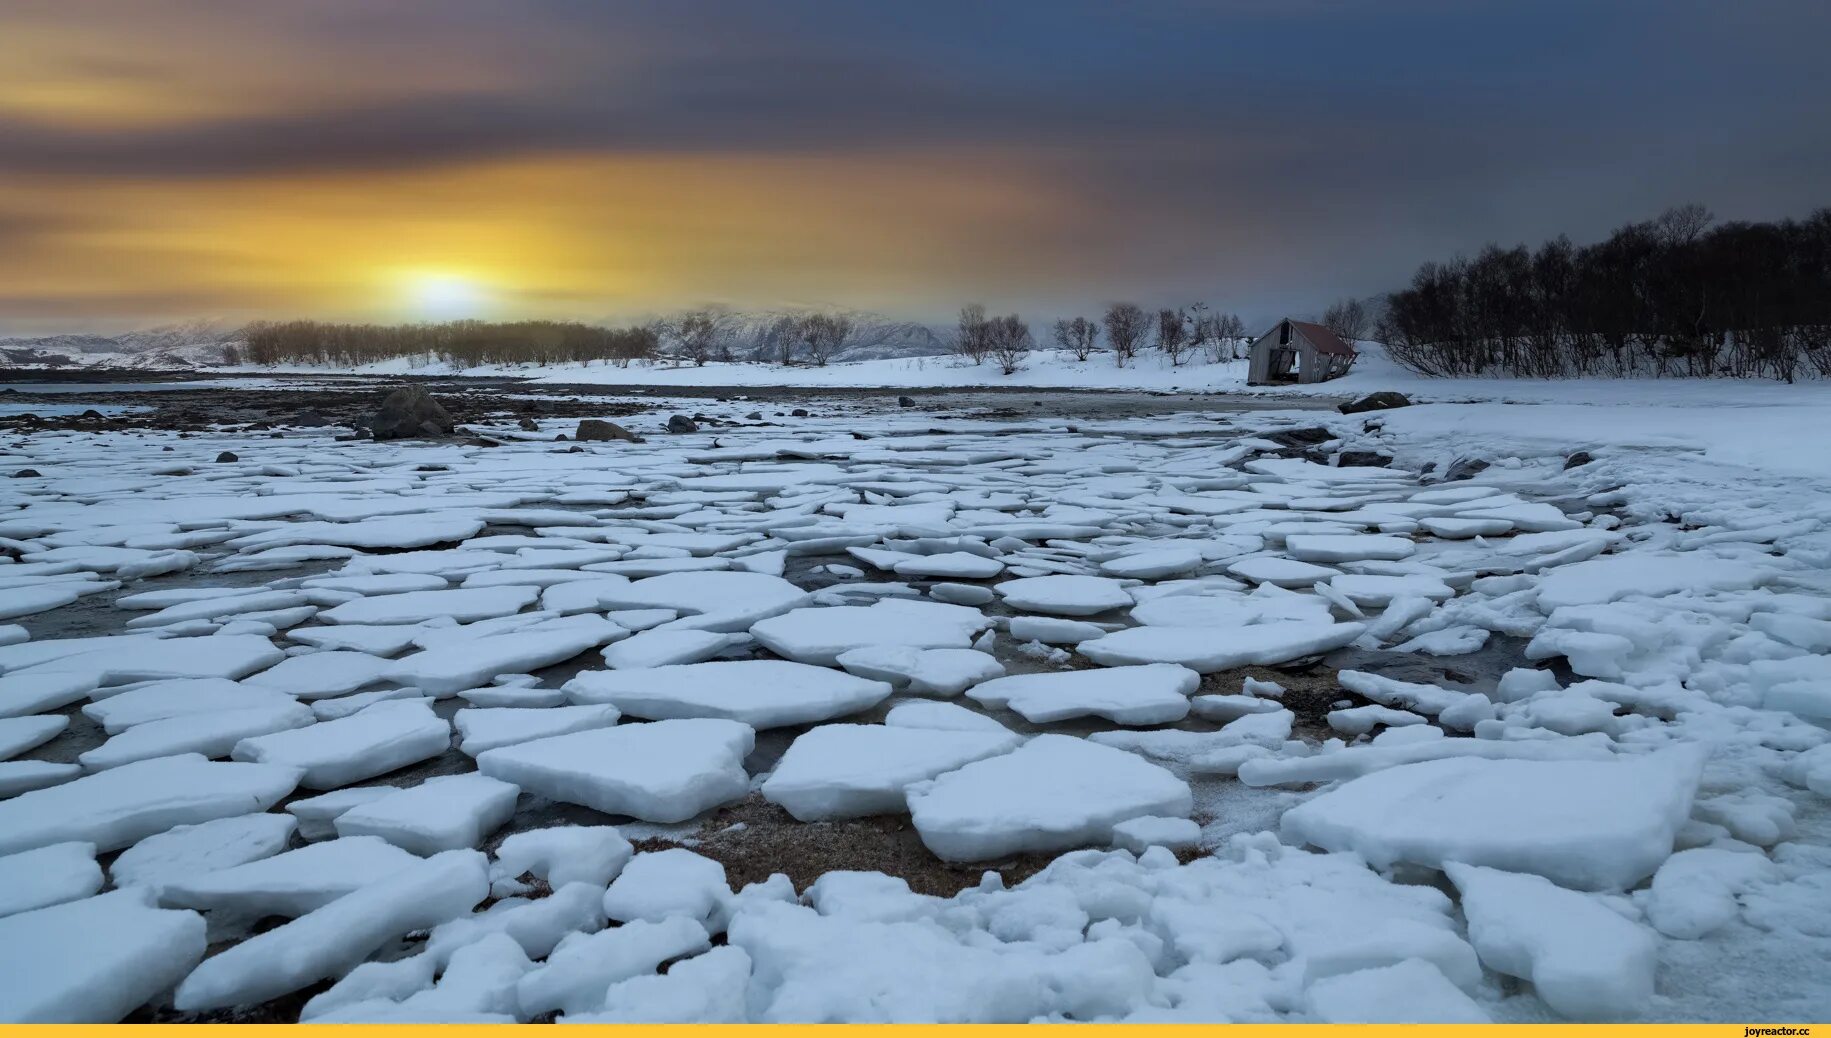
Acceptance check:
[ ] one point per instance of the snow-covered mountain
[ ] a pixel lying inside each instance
(189, 344)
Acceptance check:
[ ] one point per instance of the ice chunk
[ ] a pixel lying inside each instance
(292, 883)
(665, 771)
(94, 960)
(944, 716)
(1279, 571)
(1590, 825)
(332, 939)
(463, 605)
(1065, 595)
(19, 734)
(708, 989)
(819, 635)
(1408, 992)
(931, 672)
(211, 734)
(725, 602)
(1052, 793)
(23, 776)
(1206, 650)
(853, 770)
(317, 815)
(960, 565)
(188, 851)
(48, 876)
(186, 696)
(760, 693)
(1314, 547)
(658, 885)
(665, 648)
(33, 692)
(439, 814)
(444, 669)
(1586, 961)
(1653, 574)
(1694, 893)
(316, 675)
(136, 658)
(486, 729)
(1052, 630)
(1157, 693)
(370, 742)
(1153, 565)
(122, 806)
(575, 976)
(564, 855)
(1141, 834)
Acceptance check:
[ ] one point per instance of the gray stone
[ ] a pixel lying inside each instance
(409, 412)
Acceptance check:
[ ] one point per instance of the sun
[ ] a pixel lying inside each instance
(442, 295)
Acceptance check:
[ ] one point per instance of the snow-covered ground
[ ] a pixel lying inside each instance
(1567, 758)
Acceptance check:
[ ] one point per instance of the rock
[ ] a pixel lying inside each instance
(311, 419)
(1301, 437)
(92, 413)
(1463, 468)
(599, 429)
(1364, 459)
(529, 425)
(1376, 402)
(227, 456)
(1579, 458)
(680, 423)
(799, 412)
(482, 441)
(754, 416)
(408, 412)
(27, 474)
(905, 401)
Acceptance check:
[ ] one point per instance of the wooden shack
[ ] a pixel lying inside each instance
(1298, 351)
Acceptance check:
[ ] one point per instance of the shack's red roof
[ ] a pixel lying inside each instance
(1323, 339)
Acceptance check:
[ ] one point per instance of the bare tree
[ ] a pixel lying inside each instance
(1008, 341)
(823, 335)
(970, 340)
(1173, 335)
(1126, 326)
(1347, 319)
(1077, 336)
(700, 336)
(1233, 331)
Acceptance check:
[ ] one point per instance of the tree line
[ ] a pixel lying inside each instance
(1672, 296)
(461, 344)
(1128, 328)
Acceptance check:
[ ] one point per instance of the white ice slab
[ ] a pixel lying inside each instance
(211, 734)
(122, 806)
(1590, 825)
(1064, 595)
(292, 883)
(760, 693)
(188, 851)
(1153, 694)
(48, 876)
(370, 742)
(854, 770)
(440, 814)
(666, 771)
(1207, 650)
(488, 728)
(923, 672)
(820, 635)
(1053, 793)
(94, 960)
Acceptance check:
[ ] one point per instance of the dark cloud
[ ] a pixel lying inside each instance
(1286, 149)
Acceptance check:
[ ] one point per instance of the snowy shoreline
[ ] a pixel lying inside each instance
(1024, 638)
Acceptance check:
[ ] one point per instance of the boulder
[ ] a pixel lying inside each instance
(27, 474)
(680, 423)
(1364, 459)
(1578, 459)
(1380, 401)
(1300, 437)
(310, 419)
(529, 425)
(799, 412)
(599, 429)
(227, 456)
(410, 411)
(905, 401)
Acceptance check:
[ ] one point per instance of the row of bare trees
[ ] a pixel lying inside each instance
(462, 344)
(704, 335)
(1672, 296)
(1128, 328)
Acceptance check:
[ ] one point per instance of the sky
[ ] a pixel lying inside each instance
(383, 160)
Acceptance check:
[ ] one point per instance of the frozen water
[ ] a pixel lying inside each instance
(760, 693)
(291, 883)
(122, 806)
(440, 814)
(486, 729)
(664, 771)
(1052, 793)
(1153, 694)
(94, 960)
(1065, 595)
(852, 770)
(821, 635)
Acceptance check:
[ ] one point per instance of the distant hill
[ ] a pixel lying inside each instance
(190, 344)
